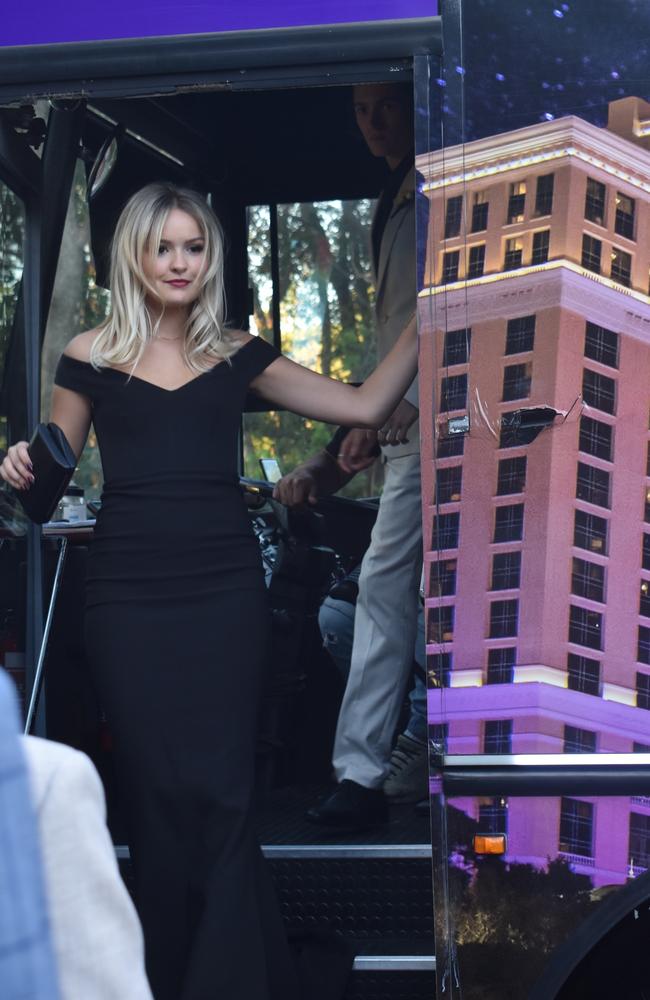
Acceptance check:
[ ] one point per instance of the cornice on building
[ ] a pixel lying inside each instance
(617, 715)
(528, 290)
(564, 139)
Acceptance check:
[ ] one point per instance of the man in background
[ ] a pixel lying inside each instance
(387, 604)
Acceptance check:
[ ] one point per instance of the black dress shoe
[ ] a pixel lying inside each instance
(351, 807)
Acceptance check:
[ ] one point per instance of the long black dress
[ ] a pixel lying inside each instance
(176, 634)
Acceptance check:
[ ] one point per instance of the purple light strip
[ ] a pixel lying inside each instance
(39, 23)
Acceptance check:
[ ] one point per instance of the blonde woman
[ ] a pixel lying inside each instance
(176, 622)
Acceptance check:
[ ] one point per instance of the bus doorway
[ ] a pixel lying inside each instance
(278, 154)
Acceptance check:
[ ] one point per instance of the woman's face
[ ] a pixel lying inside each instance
(174, 268)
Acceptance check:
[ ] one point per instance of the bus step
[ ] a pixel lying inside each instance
(393, 970)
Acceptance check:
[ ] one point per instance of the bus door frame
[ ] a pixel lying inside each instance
(43, 184)
(70, 74)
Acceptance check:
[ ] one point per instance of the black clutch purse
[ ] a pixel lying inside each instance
(53, 461)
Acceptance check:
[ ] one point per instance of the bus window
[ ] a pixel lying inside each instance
(312, 291)
(537, 465)
(12, 235)
(12, 522)
(78, 303)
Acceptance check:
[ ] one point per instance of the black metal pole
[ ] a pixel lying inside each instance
(275, 277)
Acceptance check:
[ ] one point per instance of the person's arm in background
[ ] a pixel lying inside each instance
(359, 445)
(326, 472)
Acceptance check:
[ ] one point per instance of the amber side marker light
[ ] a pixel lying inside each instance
(494, 843)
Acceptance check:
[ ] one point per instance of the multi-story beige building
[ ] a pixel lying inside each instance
(536, 321)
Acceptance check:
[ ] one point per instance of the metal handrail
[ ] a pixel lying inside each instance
(543, 774)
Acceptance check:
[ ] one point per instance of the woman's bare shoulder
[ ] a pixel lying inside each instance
(79, 347)
(239, 338)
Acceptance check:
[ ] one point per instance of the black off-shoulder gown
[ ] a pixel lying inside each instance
(176, 631)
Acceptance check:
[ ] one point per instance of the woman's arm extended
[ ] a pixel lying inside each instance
(71, 412)
(369, 405)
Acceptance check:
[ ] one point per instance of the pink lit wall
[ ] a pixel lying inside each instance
(563, 295)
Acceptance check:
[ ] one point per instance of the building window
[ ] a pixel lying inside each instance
(451, 446)
(476, 261)
(595, 438)
(584, 674)
(521, 335)
(541, 243)
(448, 483)
(585, 627)
(599, 391)
(493, 816)
(509, 431)
(646, 506)
(591, 251)
(450, 262)
(506, 570)
(503, 618)
(624, 218)
(509, 523)
(640, 747)
(644, 599)
(621, 269)
(601, 345)
(579, 740)
(590, 532)
(513, 254)
(480, 210)
(445, 531)
(440, 623)
(576, 827)
(647, 461)
(639, 853)
(457, 347)
(511, 477)
(516, 381)
(498, 736)
(453, 393)
(442, 580)
(588, 580)
(516, 202)
(439, 669)
(593, 485)
(595, 202)
(643, 690)
(453, 216)
(645, 555)
(501, 665)
(544, 195)
(643, 648)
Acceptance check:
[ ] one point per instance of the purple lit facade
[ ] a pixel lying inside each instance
(76, 21)
(539, 550)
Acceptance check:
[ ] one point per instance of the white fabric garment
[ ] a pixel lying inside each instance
(95, 931)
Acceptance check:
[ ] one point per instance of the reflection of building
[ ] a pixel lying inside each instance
(539, 618)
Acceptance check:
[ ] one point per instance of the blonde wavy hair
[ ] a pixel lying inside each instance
(129, 327)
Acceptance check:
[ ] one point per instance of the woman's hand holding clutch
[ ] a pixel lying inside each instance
(16, 468)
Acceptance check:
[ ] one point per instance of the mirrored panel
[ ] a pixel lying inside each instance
(536, 313)
(563, 914)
